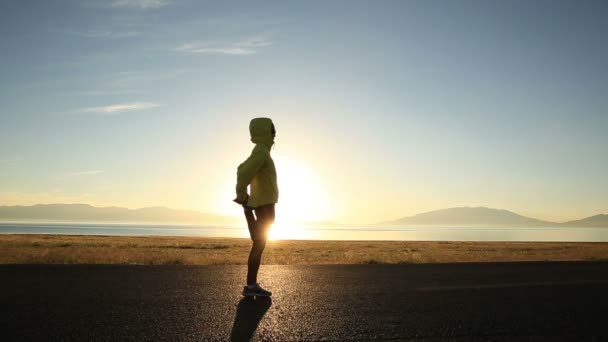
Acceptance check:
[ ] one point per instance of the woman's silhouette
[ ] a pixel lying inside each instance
(259, 173)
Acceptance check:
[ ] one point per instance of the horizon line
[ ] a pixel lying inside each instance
(331, 222)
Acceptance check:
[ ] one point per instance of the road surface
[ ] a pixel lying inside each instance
(433, 302)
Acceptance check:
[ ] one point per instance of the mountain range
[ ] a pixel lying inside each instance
(490, 217)
(90, 214)
(161, 215)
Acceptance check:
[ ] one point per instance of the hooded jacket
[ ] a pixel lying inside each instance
(258, 170)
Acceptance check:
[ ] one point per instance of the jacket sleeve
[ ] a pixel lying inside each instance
(247, 170)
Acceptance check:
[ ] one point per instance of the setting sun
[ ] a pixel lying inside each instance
(302, 197)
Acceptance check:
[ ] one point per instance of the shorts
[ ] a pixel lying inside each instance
(264, 218)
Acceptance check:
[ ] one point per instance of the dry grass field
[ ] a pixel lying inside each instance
(153, 250)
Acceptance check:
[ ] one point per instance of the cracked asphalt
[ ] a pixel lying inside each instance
(431, 302)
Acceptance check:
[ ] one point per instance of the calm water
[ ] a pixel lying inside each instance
(324, 233)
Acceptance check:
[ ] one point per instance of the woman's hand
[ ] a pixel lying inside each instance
(242, 199)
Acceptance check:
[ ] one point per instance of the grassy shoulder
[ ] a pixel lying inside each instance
(155, 250)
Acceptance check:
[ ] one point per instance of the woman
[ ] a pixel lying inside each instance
(259, 173)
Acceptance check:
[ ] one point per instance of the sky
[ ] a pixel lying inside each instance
(383, 109)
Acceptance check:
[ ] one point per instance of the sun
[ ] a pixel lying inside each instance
(302, 198)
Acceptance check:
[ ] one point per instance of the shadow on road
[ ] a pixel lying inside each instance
(249, 313)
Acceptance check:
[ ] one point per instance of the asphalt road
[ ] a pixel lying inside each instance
(436, 302)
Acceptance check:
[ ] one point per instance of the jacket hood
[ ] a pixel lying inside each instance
(260, 130)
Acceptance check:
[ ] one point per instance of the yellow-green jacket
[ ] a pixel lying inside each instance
(258, 170)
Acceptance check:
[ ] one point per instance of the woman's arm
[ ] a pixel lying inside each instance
(246, 171)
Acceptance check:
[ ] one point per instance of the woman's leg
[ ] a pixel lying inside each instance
(265, 218)
(255, 258)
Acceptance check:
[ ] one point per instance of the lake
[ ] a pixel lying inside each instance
(298, 232)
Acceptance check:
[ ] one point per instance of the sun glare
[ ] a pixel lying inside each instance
(302, 198)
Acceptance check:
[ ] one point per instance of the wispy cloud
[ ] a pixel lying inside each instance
(105, 34)
(119, 108)
(143, 4)
(105, 92)
(126, 4)
(255, 42)
(216, 50)
(245, 47)
(85, 173)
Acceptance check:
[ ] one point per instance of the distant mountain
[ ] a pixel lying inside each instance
(88, 213)
(162, 215)
(593, 221)
(470, 216)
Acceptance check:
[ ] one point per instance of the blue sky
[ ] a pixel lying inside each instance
(395, 107)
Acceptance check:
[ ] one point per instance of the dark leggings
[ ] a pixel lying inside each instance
(264, 218)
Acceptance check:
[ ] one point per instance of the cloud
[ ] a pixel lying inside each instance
(106, 92)
(217, 50)
(255, 42)
(85, 173)
(119, 108)
(143, 4)
(245, 47)
(101, 34)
